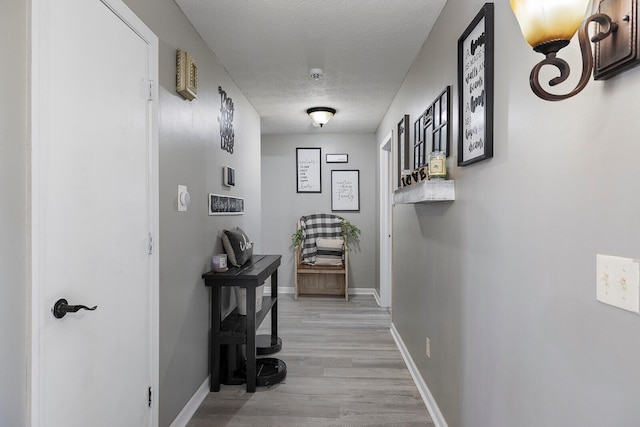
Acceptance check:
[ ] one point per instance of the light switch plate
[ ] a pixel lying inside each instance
(618, 282)
(183, 198)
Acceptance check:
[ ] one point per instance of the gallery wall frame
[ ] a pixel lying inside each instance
(345, 190)
(186, 75)
(337, 158)
(225, 205)
(475, 88)
(403, 146)
(431, 130)
(309, 170)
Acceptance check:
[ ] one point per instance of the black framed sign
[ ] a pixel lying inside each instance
(475, 88)
(225, 205)
(403, 147)
(345, 190)
(309, 170)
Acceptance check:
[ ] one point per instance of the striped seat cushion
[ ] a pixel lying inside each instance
(329, 251)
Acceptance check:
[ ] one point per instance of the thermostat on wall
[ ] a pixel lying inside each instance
(228, 176)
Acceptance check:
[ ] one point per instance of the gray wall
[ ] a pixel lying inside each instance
(13, 214)
(282, 205)
(190, 154)
(502, 280)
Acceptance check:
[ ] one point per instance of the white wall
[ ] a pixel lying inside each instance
(282, 205)
(502, 280)
(13, 213)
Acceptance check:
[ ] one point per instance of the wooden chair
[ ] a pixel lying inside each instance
(313, 279)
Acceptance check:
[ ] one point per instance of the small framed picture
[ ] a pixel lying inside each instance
(345, 190)
(337, 158)
(186, 75)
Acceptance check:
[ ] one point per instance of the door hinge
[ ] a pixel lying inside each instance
(150, 244)
(147, 89)
(151, 83)
(150, 395)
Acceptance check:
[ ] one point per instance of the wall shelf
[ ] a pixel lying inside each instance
(425, 192)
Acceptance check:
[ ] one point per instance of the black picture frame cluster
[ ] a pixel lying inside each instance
(475, 104)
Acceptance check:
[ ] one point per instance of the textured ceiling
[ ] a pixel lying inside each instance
(365, 48)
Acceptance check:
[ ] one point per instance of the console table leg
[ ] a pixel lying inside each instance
(214, 350)
(274, 309)
(251, 339)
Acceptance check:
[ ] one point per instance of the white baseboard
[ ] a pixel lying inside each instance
(427, 397)
(192, 405)
(352, 291)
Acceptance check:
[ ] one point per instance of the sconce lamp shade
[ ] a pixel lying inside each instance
(321, 115)
(543, 21)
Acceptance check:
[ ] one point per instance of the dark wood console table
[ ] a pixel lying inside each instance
(238, 329)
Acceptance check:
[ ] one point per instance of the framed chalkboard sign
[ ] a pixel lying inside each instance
(475, 88)
(225, 205)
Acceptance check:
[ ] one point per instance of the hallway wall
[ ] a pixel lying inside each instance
(502, 280)
(14, 148)
(282, 205)
(190, 154)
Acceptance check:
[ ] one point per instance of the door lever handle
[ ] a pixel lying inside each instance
(62, 307)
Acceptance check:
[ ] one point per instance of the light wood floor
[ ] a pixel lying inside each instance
(343, 369)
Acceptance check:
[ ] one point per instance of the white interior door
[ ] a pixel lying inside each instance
(94, 182)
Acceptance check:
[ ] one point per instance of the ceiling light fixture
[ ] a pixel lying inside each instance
(321, 115)
(549, 25)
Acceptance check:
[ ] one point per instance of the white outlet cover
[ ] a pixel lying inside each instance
(618, 282)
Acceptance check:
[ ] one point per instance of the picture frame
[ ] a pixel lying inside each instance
(431, 130)
(345, 190)
(403, 131)
(436, 130)
(186, 75)
(225, 205)
(308, 170)
(475, 88)
(337, 158)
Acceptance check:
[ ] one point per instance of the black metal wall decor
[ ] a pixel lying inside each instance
(227, 134)
(431, 130)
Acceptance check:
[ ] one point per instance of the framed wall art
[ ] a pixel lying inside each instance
(431, 130)
(186, 75)
(225, 205)
(337, 158)
(403, 147)
(345, 190)
(309, 170)
(475, 88)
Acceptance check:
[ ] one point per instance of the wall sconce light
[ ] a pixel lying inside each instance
(549, 25)
(321, 115)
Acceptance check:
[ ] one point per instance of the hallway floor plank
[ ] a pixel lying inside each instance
(343, 369)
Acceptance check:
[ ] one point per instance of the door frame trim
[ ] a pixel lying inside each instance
(39, 9)
(385, 251)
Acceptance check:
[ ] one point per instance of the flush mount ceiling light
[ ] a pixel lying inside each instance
(321, 115)
(549, 25)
